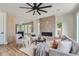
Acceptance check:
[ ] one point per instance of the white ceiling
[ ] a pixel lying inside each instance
(13, 9)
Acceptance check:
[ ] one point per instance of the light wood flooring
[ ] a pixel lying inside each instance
(6, 50)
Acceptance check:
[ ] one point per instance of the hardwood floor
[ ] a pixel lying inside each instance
(6, 50)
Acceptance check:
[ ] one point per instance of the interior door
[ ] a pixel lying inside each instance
(1, 29)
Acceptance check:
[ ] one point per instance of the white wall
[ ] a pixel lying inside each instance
(68, 26)
(20, 20)
(75, 27)
(3, 27)
(57, 20)
(36, 27)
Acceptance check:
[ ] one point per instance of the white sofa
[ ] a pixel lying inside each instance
(74, 49)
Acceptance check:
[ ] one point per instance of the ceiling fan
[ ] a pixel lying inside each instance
(36, 8)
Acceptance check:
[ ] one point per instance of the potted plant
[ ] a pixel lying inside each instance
(59, 31)
(59, 25)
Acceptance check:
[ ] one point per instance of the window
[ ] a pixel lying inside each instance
(27, 28)
(22, 27)
(18, 28)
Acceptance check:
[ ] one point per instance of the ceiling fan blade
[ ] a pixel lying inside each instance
(33, 12)
(29, 5)
(43, 11)
(25, 7)
(39, 4)
(35, 4)
(38, 12)
(45, 7)
(29, 11)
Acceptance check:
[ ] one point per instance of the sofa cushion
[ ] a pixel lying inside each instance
(65, 46)
(75, 48)
(77, 53)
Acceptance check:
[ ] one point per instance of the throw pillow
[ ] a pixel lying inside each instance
(65, 46)
(54, 44)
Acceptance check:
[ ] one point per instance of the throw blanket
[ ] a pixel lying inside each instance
(41, 49)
